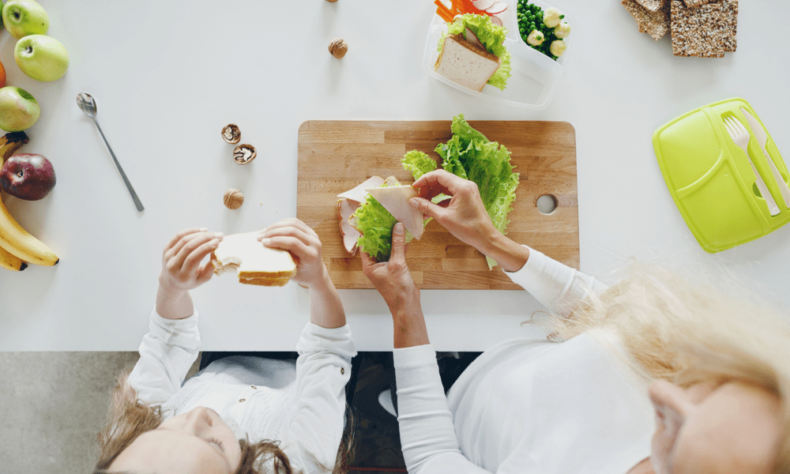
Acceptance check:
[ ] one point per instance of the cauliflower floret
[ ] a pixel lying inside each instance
(562, 30)
(557, 48)
(536, 38)
(551, 17)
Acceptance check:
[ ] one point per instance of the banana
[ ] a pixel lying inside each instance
(11, 262)
(13, 238)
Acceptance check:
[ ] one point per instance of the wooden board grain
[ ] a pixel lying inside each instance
(335, 156)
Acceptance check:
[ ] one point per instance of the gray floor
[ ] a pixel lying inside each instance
(52, 405)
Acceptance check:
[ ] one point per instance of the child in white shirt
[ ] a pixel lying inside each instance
(240, 414)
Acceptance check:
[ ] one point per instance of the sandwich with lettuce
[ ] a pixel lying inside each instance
(368, 212)
(472, 53)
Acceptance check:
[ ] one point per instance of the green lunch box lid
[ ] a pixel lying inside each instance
(711, 180)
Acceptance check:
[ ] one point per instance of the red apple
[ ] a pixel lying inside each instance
(27, 176)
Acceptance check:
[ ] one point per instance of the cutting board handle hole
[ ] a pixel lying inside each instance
(756, 191)
(547, 204)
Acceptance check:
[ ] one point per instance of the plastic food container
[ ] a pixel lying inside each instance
(534, 75)
(711, 179)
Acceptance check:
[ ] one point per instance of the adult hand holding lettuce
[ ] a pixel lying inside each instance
(395, 284)
(465, 217)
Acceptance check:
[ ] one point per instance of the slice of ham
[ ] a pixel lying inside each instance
(358, 194)
(345, 208)
(395, 199)
(472, 39)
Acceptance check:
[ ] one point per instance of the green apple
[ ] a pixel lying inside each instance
(18, 109)
(41, 57)
(25, 17)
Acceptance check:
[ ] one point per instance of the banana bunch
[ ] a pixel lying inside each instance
(17, 246)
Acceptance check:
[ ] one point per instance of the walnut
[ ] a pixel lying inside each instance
(338, 47)
(231, 134)
(233, 198)
(243, 154)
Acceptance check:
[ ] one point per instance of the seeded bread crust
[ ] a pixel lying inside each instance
(706, 31)
(656, 24)
(652, 5)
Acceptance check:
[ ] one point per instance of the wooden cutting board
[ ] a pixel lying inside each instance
(335, 156)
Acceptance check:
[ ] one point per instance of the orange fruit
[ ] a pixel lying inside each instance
(2, 75)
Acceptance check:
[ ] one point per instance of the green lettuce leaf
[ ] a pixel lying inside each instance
(418, 163)
(375, 223)
(491, 36)
(470, 155)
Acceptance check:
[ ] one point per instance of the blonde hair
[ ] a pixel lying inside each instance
(129, 417)
(688, 334)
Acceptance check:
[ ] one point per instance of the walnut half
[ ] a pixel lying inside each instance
(231, 134)
(338, 47)
(243, 154)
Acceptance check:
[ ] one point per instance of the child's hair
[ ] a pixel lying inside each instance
(687, 334)
(129, 417)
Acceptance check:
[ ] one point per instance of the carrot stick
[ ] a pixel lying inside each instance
(442, 11)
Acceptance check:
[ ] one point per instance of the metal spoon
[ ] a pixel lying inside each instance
(87, 104)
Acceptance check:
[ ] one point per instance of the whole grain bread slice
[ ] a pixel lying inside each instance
(706, 31)
(654, 23)
(652, 5)
(696, 3)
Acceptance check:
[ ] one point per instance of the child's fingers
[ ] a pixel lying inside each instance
(291, 244)
(181, 234)
(297, 233)
(196, 256)
(189, 247)
(292, 222)
(205, 272)
(180, 244)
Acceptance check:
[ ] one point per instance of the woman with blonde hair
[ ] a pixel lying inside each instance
(240, 414)
(654, 375)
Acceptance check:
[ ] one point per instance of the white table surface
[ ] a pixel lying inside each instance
(168, 76)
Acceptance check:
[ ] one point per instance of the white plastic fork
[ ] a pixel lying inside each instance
(741, 137)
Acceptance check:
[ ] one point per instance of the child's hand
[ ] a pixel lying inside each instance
(181, 268)
(304, 245)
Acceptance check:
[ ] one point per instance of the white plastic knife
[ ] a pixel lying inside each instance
(762, 139)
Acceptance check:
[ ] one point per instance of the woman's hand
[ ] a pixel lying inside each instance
(464, 215)
(182, 271)
(304, 245)
(466, 218)
(393, 281)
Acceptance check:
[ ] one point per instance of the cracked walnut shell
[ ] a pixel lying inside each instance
(233, 198)
(338, 47)
(243, 154)
(231, 134)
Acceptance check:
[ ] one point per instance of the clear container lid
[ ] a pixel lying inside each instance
(534, 75)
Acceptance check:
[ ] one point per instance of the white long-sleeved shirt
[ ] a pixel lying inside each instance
(301, 404)
(527, 406)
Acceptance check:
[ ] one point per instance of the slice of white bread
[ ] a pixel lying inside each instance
(466, 64)
(254, 263)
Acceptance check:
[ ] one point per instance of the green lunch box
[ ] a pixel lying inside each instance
(711, 179)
